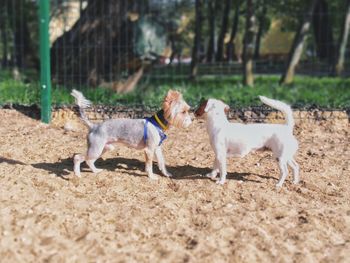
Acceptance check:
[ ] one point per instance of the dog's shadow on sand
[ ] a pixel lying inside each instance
(64, 168)
(10, 161)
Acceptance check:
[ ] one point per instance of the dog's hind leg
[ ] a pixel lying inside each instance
(78, 159)
(149, 153)
(292, 163)
(283, 172)
(91, 164)
(94, 152)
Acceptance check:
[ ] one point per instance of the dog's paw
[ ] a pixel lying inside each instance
(296, 181)
(167, 174)
(211, 175)
(220, 182)
(109, 147)
(279, 186)
(153, 177)
(96, 171)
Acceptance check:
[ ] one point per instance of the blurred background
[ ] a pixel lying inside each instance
(132, 51)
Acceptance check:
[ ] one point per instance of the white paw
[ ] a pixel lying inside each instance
(220, 182)
(167, 174)
(109, 147)
(279, 185)
(296, 181)
(77, 174)
(96, 171)
(152, 177)
(212, 176)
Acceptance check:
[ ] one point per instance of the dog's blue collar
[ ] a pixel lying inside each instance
(155, 119)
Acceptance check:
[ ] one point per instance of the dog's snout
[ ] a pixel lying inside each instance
(187, 121)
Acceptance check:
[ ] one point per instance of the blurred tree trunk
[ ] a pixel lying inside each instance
(24, 54)
(298, 44)
(249, 44)
(97, 48)
(197, 39)
(80, 7)
(261, 24)
(223, 31)
(174, 51)
(211, 19)
(4, 46)
(323, 31)
(338, 64)
(24, 46)
(230, 48)
(4, 38)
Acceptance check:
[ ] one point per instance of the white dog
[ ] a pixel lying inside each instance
(237, 140)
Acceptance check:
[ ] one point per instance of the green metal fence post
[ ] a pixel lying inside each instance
(45, 70)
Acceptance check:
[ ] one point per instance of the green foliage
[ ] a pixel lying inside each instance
(12, 91)
(306, 91)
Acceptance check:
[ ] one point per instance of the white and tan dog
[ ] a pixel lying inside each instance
(237, 140)
(146, 134)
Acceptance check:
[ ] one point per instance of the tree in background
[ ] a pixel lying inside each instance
(223, 31)
(18, 24)
(323, 32)
(91, 41)
(212, 7)
(338, 64)
(298, 44)
(262, 23)
(197, 39)
(230, 47)
(4, 36)
(178, 30)
(111, 41)
(249, 44)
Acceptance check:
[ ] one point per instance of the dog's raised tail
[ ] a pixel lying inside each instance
(281, 106)
(82, 103)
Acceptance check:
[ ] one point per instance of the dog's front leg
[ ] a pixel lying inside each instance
(149, 152)
(161, 162)
(221, 161)
(212, 175)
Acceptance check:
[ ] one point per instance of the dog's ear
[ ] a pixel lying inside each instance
(170, 99)
(209, 105)
(201, 109)
(172, 95)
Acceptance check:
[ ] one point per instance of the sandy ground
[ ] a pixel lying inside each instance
(119, 215)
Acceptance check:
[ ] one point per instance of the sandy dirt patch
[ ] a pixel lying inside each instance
(119, 215)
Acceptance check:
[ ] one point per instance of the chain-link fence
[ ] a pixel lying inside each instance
(114, 43)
